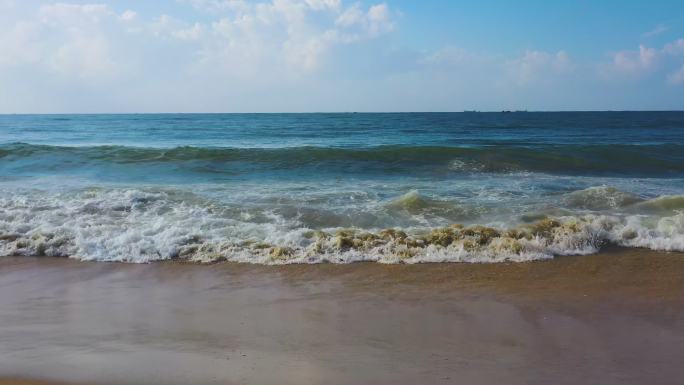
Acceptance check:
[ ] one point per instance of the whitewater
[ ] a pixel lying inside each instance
(340, 188)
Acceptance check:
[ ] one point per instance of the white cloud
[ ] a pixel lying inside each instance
(217, 5)
(62, 39)
(354, 23)
(18, 44)
(645, 58)
(84, 57)
(379, 19)
(351, 16)
(7, 4)
(128, 15)
(272, 55)
(674, 48)
(634, 62)
(533, 69)
(195, 32)
(230, 49)
(80, 39)
(677, 77)
(287, 28)
(647, 61)
(74, 14)
(659, 29)
(535, 65)
(324, 4)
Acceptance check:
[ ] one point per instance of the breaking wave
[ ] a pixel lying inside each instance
(137, 225)
(601, 198)
(647, 160)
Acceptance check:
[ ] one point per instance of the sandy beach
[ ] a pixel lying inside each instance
(341, 192)
(613, 318)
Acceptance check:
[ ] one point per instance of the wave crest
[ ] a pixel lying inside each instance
(645, 160)
(600, 198)
(142, 226)
(669, 203)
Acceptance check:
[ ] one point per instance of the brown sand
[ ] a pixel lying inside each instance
(21, 381)
(613, 318)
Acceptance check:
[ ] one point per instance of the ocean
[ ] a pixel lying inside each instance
(340, 188)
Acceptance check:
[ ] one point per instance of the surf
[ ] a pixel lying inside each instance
(629, 160)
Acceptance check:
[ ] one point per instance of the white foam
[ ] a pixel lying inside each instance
(137, 225)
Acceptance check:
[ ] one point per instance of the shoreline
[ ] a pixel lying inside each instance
(610, 318)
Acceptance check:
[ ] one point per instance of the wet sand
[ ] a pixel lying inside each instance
(613, 318)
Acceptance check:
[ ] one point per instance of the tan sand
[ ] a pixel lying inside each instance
(20, 381)
(614, 318)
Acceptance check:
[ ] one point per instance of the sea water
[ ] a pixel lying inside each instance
(340, 188)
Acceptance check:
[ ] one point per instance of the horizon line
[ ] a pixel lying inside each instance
(332, 112)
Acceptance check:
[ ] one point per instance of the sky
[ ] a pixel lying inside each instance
(339, 55)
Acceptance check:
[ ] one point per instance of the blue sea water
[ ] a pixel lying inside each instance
(309, 188)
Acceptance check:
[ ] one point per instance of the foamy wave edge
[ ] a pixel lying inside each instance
(572, 235)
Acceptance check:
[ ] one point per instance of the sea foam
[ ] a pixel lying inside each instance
(136, 225)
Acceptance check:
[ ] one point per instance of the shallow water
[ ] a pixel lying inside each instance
(310, 188)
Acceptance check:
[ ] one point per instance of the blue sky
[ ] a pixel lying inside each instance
(587, 28)
(338, 55)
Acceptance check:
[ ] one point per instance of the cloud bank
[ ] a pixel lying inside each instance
(288, 55)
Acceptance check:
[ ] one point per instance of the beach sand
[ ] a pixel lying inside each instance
(612, 318)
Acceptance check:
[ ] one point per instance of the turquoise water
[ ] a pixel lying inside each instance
(309, 188)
